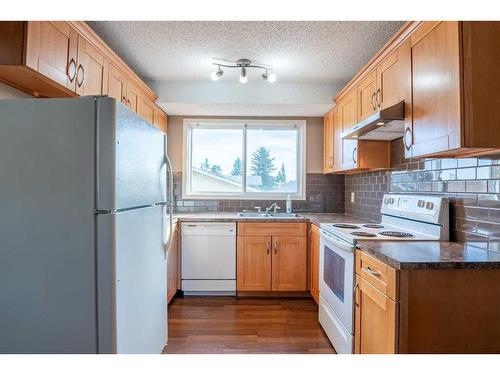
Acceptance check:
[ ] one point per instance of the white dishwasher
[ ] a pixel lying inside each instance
(208, 258)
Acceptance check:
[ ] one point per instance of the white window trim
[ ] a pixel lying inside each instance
(227, 123)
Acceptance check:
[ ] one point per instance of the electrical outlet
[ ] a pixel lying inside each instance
(352, 197)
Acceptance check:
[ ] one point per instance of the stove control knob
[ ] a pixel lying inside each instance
(391, 200)
(421, 203)
(429, 205)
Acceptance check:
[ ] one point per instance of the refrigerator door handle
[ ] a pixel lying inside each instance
(170, 183)
(170, 178)
(171, 223)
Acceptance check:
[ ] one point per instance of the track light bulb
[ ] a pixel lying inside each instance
(243, 76)
(271, 78)
(217, 74)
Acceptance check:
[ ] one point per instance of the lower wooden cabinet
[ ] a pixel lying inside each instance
(254, 262)
(375, 320)
(173, 263)
(289, 264)
(424, 310)
(275, 263)
(314, 253)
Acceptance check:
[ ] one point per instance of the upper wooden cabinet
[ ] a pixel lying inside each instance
(160, 120)
(328, 146)
(455, 85)
(147, 109)
(351, 156)
(92, 70)
(367, 96)
(117, 84)
(51, 49)
(67, 59)
(348, 109)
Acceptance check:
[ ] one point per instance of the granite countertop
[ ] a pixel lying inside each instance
(315, 218)
(412, 255)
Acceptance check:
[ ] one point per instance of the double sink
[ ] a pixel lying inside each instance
(280, 215)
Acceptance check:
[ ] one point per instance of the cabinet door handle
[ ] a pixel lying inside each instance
(124, 100)
(333, 162)
(268, 247)
(80, 69)
(72, 70)
(354, 294)
(275, 247)
(354, 155)
(378, 98)
(373, 103)
(372, 272)
(408, 138)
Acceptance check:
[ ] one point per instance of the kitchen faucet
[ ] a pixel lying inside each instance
(275, 206)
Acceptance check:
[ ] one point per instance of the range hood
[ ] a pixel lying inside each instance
(384, 125)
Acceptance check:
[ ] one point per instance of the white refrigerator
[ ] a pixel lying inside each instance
(85, 221)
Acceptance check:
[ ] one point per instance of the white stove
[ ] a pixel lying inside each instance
(404, 218)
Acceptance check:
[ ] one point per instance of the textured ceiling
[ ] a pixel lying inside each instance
(299, 51)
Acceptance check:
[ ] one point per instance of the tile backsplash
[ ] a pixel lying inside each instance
(471, 184)
(323, 194)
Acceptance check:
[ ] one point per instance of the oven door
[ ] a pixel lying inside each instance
(337, 277)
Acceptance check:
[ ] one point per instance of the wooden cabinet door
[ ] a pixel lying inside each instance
(338, 143)
(375, 328)
(117, 84)
(388, 81)
(328, 146)
(253, 272)
(289, 263)
(160, 119)
(133, 97)
(314, 251)
(147, 109)
(172, 264)
(435, 59)
(366, 96)
(348, 108)
(92, 71)
(51, 49)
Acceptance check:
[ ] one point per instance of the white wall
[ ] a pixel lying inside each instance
(314, 135)
(7, 92)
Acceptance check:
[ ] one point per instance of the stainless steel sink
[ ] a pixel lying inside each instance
(281, 215)
(253, 214)
(285, 214)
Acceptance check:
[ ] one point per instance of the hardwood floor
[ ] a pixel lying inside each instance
(245, 325)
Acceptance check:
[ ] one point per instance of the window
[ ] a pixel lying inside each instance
(244, 159)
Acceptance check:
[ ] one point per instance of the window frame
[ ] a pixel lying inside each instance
(244, 124)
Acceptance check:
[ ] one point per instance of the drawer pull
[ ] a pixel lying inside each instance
(372, 272)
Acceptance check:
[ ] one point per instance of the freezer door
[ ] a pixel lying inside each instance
(131, 159)
(132, 304)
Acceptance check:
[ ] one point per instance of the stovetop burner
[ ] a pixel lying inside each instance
(393, 233)
(363, 234)
(348, 226)
(377, 226)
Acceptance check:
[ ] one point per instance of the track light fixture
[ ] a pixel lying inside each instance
(243, 65)
(217, 74)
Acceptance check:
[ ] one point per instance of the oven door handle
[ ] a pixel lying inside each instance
(348, 248)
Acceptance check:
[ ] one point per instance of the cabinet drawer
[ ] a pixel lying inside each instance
(378, 274)
(272, 229)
